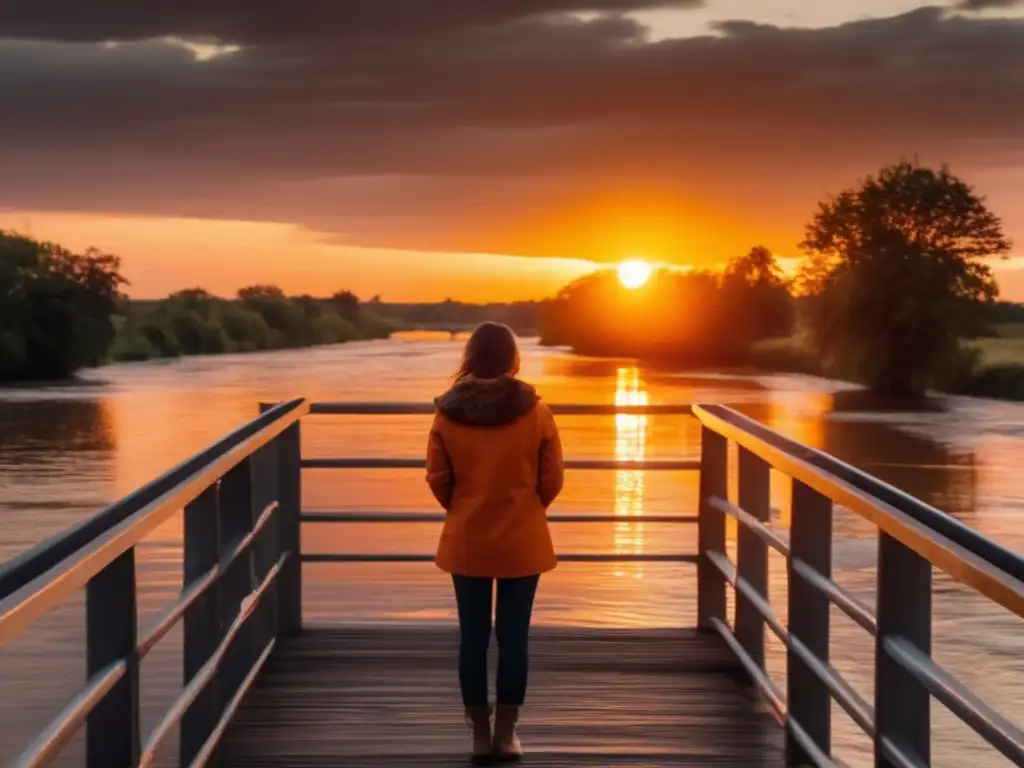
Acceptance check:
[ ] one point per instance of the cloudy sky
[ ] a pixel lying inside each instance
(483, 148)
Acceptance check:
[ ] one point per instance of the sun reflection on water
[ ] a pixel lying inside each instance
(630, 445)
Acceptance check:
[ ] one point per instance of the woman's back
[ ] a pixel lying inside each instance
(495, 464)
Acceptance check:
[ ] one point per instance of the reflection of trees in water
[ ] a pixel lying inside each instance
(915, 464)
(921, 467)
(33, 429)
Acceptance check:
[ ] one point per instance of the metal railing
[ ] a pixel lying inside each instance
(406, 409)
(912, 538)
(241, 526)
(243, 585)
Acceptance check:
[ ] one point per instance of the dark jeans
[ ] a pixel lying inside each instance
(512, 628)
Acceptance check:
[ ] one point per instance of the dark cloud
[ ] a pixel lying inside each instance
(500, 125)
(986, 5)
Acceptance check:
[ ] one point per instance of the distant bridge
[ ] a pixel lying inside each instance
(456, 328)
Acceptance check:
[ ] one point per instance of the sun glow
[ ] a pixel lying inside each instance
(634, 273)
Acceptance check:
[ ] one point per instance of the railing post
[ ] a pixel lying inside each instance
(203, 629)
(289, 539)
(808, 698)
(902, 704)
(711, 527)
(236, 505)
(752, 553)
(264, 493)
(112, 728)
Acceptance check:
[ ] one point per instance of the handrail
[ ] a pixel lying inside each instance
(206, 674)
(192, 592)
(558, 409)
(44, 577)
(588, 464)
(572, 557)
(320, 517)
(754, 436)
(258, 556)
(22, 569)
(913, 538)
(63, 727)
(73, 573)
(964, 565)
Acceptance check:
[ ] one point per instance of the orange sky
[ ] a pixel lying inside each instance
(161, 255)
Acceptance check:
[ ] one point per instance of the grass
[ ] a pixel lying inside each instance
(998, 372)
(1007, 348)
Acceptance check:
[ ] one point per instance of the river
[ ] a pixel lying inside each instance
(67, 451)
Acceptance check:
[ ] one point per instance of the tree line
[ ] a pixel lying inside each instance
(61, 311)
(260, 317)
(895, 277)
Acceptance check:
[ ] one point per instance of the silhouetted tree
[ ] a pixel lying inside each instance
(56, 307)
(346, 304)
(757, 293)
(895, 270)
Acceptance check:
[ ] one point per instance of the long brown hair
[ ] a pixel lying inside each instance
(490, 352)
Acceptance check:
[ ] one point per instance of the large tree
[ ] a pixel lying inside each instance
(895, 270)
(56, 308)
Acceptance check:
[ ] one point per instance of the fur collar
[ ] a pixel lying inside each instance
(487, 402)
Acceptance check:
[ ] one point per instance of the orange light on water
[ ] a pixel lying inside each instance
(630, 445)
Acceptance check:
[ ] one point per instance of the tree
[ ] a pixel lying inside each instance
(896, 271)
(56, 307)
(346, 304)
(757, 294)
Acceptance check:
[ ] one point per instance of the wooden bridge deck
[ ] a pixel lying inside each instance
(389, 696)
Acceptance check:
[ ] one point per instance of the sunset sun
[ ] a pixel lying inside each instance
(634, 273)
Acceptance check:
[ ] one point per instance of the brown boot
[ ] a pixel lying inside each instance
(507, 748)
(479, 721)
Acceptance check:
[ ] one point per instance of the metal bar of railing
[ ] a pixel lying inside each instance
(194, 591)
(821, 760)
(840, 598)
(774, 695)
(728, 570)
(408, 463)
(206, 673)
(19, 571)
(439, 517)
(766, 441)
(766, 534)
(843, 692)
(898, 756)
(70, 575)
(211, 744)
(359, 557)
(70, 719)
(427, 409)
(979, 716)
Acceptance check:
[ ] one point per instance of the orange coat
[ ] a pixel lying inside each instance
(494, 462)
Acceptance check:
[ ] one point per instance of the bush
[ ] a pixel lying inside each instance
(1004, 381)
(246, 329)
(131, 345)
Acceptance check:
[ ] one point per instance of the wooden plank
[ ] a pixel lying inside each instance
(389, 696)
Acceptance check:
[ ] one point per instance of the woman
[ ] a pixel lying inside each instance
(494, 462)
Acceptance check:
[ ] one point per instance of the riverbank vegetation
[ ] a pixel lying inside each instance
(262, 317)
(61, 311)
(895, 292)
(55, 308)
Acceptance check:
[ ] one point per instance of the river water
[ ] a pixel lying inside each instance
(65, 452)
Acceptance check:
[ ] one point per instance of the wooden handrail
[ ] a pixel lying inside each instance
(944, 553)
(53, 587)
(913, 538)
